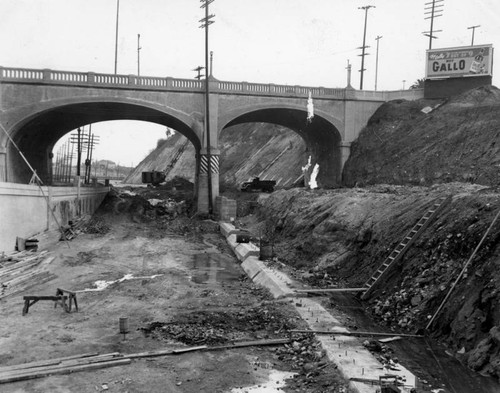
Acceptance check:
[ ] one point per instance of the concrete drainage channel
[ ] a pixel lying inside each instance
(353, 360)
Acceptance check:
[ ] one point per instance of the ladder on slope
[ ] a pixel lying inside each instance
(405, 244)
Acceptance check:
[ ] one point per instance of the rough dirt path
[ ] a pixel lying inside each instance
(187, 291)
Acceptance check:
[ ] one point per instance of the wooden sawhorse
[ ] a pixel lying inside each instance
(60, 298)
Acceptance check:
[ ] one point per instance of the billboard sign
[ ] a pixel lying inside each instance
(474, 60)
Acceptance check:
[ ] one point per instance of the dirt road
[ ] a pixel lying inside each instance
(178, 288)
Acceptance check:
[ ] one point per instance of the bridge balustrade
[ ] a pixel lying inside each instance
(21, 73)
(168, 83)
(65, 76)
(152, 81)
(188, 84)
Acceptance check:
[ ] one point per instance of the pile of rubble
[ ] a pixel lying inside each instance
(207, 327)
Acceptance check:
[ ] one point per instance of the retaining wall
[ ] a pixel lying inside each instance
(24, 209)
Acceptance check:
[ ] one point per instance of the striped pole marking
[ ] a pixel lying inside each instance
(214, 163)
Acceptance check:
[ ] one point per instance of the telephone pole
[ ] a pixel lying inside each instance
(116, 34)
(363, 54)
(205, 22)
(200, 75)
(434, 10)
(376, 62)
(473, 29)
(139, 55)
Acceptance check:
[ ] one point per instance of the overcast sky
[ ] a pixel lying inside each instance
(295, 42)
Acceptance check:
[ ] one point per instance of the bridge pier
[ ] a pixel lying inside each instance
(345, 151)
(203, 183)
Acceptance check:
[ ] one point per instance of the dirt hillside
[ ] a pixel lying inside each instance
(458, 141)
(248, 150)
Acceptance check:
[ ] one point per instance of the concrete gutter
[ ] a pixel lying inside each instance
(347, 352)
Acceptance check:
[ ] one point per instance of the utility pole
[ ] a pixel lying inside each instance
(376, 62)
(434, 10)
(205, 22)
(211, 62)
(348, 68)
(116, 35)
(139, 55)
(363, 54)
(198, 69)
(473, 29)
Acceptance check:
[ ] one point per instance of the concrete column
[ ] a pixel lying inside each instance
(345, 151)
(3, 164)
(203, 205)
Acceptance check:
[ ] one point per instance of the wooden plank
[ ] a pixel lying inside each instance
(330, 290)
(63, 370)
(356, 333)
(257, 343)
(149, 354)
(63, 364)
(242, 344)
(41, 363)
(390, 339)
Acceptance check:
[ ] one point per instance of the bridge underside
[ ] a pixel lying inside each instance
(321, 137)
(37, 135)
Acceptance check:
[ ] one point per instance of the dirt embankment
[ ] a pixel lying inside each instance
(342, 237)
(458, 141)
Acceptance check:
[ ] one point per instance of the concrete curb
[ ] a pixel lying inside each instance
(347, 352)
(259, 274)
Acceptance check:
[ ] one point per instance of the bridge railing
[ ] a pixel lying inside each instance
(86, 79)
(282, 90)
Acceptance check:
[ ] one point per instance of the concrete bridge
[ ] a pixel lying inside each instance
(38, 107)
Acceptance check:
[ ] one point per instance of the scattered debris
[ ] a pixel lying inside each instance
(22, 270)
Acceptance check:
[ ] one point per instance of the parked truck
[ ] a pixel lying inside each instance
(257, 185)
(153, 177)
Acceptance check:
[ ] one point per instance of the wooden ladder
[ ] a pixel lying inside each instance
(405, 244)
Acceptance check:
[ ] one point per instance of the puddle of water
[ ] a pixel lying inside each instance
(211, 268)
(101, 285)
(274, 384)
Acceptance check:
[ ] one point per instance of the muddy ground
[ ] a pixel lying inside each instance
(186, 290)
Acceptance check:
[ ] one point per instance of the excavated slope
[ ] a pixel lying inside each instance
(248, 150)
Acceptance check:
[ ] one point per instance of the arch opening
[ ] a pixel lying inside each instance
(322, 138)
(37, 135)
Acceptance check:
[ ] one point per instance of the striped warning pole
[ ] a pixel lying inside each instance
(214, 164)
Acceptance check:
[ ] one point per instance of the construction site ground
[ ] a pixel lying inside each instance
(179, 285)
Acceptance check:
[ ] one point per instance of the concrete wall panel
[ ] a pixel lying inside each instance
(24, 210)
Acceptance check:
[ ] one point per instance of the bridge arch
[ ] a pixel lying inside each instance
(37, 130)
(322, 135)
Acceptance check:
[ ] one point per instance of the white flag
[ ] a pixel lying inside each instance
(310, 108)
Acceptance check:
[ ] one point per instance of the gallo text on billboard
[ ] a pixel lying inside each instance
(462, 61)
